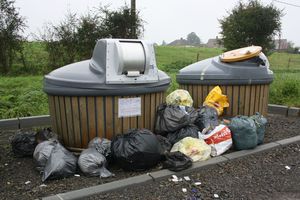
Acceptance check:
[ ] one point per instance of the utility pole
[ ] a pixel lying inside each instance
(279, 42)
(133, 14)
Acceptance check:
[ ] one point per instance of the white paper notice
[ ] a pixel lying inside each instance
(129, 107)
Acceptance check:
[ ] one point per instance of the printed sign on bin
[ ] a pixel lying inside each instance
(129, 107)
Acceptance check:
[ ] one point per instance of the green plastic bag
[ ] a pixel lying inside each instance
(243, 131)
(260, 122)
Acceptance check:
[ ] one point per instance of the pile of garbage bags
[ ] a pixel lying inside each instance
(182, 135)
(199, 133)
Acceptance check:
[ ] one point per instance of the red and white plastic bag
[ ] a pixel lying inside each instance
(219, 139)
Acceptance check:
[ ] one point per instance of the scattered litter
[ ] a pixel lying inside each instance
(43, 185)
(175, 179)
(27, 182)
(194, 190)
(149, 174)
(216, 195)
(186, 178)
(184, 190)
(8, 183)
(5, 164)
(77, 175)
(197, 183)
(19, 163)
(288, 167)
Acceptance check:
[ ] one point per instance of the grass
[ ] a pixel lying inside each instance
(285, 90)
(23, 96)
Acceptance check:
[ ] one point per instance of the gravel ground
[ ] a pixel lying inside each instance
(274, 174)
(14, 172)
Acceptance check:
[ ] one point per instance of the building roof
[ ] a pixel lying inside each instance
(213, 43)
(180, 42)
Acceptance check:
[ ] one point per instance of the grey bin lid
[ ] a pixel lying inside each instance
(212, 71)
(90, 77)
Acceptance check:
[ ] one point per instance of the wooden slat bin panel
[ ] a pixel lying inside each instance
(243, 99)
(77, 120)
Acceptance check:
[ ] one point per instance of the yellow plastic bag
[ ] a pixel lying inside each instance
(179, 98)
(194, 148)
(216, 99)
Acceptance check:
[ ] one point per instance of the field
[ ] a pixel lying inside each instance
(23, 95)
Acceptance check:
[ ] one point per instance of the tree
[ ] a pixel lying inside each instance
(193, 39)
(75, 37)
(11, 25)
(251, 24)
(61, 41)
(119, 24)
(88, 31)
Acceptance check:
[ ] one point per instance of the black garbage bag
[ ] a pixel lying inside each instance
(187, 131)
(60, 164)
(136, 150)
(93, 163)
(42, 153)
(170, 118)
(260, 123)
(44, 135)
(164, 143)
(177, 161)
(102, 145)
(23, 144)
(243, 132)
(207, 119)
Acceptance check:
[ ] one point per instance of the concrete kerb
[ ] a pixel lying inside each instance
(260, 148)
(28, 122)
(278, 109)
(159, 175)
(25, 122)
(9, 124)
(293, 112)
(288, 141)
(284, 110)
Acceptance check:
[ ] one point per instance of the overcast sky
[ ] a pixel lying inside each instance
(165, 19)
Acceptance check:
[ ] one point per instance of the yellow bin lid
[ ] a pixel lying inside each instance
(240, 54)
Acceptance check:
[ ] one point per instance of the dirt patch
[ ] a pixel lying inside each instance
(14, 172)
